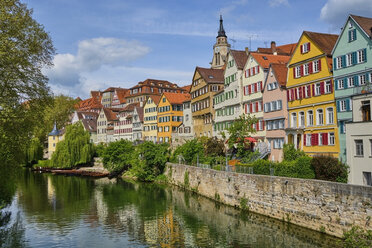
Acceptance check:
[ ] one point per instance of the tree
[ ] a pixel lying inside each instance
(240, 129)
(118, 155)
(25, 49)
(75, 149)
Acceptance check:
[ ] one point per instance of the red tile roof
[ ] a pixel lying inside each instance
(187, 88)
(325, 42)
(365, 23)
(111, 89)
(156, 83)
(264, 60)
(90, 125)
(87, 104)
(130, 107)
(155, 98)
(140, 113)
(287, 49)
(177, 98)
(211, 75)
(240, 58)
(280, 72)
(111, 113)
(122, 94)
(96, 94)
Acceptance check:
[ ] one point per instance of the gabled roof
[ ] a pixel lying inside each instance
(176, 98)
(90, 125)
(240, 58)
(96, 94)
(90, 103)
(130, 107)
(211, 75)
(156, 83)
(287, 49)
(155, 98)
(187, 88)
(365, 23)
(111, 113)
(86, 115)
(122, 94)
(140, 113)
(325, 42)
(111, 89)
(280, 72)
(264, 60)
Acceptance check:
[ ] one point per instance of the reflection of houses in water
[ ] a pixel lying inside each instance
(165, 231)
(101, 206)
(51, 193)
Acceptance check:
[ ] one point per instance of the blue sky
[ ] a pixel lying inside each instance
(119, 43)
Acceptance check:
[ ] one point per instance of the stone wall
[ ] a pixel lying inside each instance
(319, 205)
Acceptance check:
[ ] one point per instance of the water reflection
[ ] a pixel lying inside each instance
(64, 211)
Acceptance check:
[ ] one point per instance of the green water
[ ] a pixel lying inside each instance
(59, 211)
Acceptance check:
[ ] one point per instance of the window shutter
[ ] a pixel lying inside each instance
(310, 67)
(331, 86)
(249, 89)
(365, 55)
(320, 64)
(301, 70)
(249, 72)
(303, 91)
(325, 139)
(263, 125)
(313, 139)
(288, 99)
(301, 48)
(349, 36)
(257, 126)
(354, 34)
(250, 107)
(336, 84)
(300, 93)
(245, 108)
(316, 139)
(258, 69)
(294, 72)
(313, 86)
(354, 58)
(334, 64)
(338, 106)
(256, 106)
(308, 47)
(293, 94)
(322, 88)
(343, 61)
(356, 80)
(261, 103)
(309, 90)
(304, 138)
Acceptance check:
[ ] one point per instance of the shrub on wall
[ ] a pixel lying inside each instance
(291, 153)
(330, 169)
(189, 151)
(118, 155)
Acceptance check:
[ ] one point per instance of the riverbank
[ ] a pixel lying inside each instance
(326, 207)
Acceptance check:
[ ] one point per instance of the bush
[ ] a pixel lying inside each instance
(356, 237)
(214, 147)
(99, 149)
(190, 151)
(118, 155)
(43, 163)
(291, 153)
(330, 169)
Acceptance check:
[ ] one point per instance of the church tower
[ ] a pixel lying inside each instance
(220, 49)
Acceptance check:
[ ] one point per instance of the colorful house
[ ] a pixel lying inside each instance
(54, 137)
(275, 116)
(255, 73)
(206, 82)
(106, 121)
(310, 95)
(352, 69)
(137, 123)
(185, 130)
(124, 125)
(170, 114)
(150, 128)
(227, 104)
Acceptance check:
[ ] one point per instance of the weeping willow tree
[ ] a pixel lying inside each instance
(34, 152)
(75, 149)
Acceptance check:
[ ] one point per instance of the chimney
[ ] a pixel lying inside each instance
(246, 50)
(273, 47)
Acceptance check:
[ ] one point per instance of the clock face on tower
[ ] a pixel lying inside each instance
(217, 49)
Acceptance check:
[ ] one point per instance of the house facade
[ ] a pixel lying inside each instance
(54, 137)
(150, 128)
(206, 82)
(124, 126)
(255, 73)
(119, 98)
(89, 121)
(138, 123)
(106, 121)
(359, 140)
(352, 70)
(185, 130)
(170, 115)
(310, 95)
(275, 115)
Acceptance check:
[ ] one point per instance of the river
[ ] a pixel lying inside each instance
(58, 211)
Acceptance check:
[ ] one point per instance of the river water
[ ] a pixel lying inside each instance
(59, 211)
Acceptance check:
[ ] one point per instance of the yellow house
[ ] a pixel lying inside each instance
(170, 114)
(310, 95)
(150, 129)
(54, 137)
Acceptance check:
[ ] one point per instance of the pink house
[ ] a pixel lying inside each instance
(275, 109)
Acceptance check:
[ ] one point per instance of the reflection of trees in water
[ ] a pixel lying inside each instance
(11, 231)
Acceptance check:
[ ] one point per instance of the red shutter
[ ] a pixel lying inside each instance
(245, 108)
(325, 139)
(301, 48)
(294, 72)
(258, 69)
(308, 47)
(253, 70)
(257, 126)
(255, 87)
(301, 70)
(310, 67)
(331, 86)
(293, 94)
(304, 137)
(249, 72)
(261, 104)
(322, 88)
(250, 107)
(256, 106)
(263, 125)
(288, 100)
(300, 93)
(249, 89)
(316, 139)
(313, 139)
(320, 65)
(303, 91)
(313, 85)
(309, 90)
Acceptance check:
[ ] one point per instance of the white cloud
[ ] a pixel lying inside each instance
(274, 3)
(68, 71)
(335, 12)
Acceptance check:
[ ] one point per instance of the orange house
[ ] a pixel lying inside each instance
(170, 114)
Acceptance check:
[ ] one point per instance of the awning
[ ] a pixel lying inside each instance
(250, 139)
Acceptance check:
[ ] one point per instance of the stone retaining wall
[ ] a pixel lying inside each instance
(319, 205)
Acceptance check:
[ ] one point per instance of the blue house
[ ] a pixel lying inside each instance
(352, 69)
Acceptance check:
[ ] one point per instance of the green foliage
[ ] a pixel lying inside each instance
(190, 151)
(74, 150)
(149, 160)
(357, 237)
(186, 180)
(240, 129)
(34, 151)
(244, 203)
(118, 155)
(213, 147)
(330, 169)
(43, 164)
(99, 149)
(291, 153)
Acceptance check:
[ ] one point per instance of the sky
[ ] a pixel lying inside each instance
(104, 43)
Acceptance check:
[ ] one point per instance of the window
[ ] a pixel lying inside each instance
(331, 139)
(328, 87)
(279, 104)
(316, 66)
(281, 124)
(320, 139)
(352, 35)
(302, 119)
(330, 116)
(350, 82)
(164, 99)
(367, 178)
(342, 105)
(298, 72)
(366, 110)
(306, 69)
(359, 148)
(305, 47)
(294, 120)
(340, 83)
(349, 59)
(317, 89)
(362, 79)
(319, 119)
(338, 62)
(310, 118)
(361, 56)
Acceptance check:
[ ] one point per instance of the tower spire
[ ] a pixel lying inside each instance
(221, 31)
